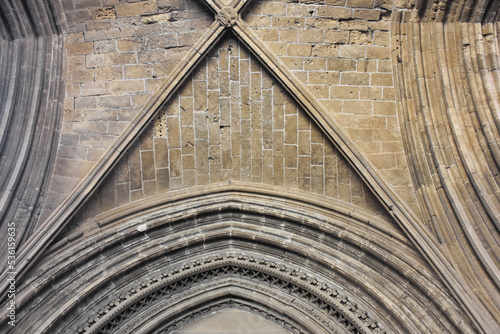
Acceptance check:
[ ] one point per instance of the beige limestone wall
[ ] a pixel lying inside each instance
(341, 50)
(118, 53)
(231, 122)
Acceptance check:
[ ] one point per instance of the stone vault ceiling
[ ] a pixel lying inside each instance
(315, 150)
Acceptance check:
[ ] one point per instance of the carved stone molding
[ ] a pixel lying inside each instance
(182, 321)
(317, 294)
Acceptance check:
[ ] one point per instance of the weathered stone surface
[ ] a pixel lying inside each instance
(339, 67)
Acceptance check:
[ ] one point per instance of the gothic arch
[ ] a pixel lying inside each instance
(133, 252)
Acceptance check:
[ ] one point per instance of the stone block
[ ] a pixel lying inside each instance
(327, 50)
(171, 5)
(202, 153)
(381, 38)
(356, 79)
(268, 34)
(151, 56)
(96, 60)
(384, 108)
(361, 25)
(320, 91)
(73, 17)
(364, 65)
(304, 143)
(289, 35)
(381, 79)
(158, 18)
(80, 48)
(360, 37)
(116, 128)
(341, 65)
(108, 73)
(99, 115)
(308, 36)
(316, 154)
(138, 71)
(105, 46)
(335, 2)
(352, 51)
(95, 35)
(161, 153)
(136, 9)
(294, 63)
(94, 88)
(379, 25)
(357, 107)
(140, 100)
(370, 93)
(130, 44)
(163, 180)
(335, 12)
(149, 188)
(321, 23)
(148, 165)
(175, 162)
(188, 162)
(173, 132)
(103, 13)
(389, 93)
(304, 184)
(360, 3)
(317, 179)
(163, 41)
(336, 36)
(314, 64)
(378, 52)
(89, 127)
(299, 50)
(384, 66)
(372, 122)
(123, 58)
(368, 14)
(127, 86)
(291, 156)
(324, 78)
(383, 160)
(90, 102)
(288, 22)
(119, 32)
(291, 178)
(274, 9)
(75, 153)
(344, 92)
(291, 129)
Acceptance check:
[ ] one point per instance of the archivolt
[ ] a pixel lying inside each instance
(301, 292)
(345, 251)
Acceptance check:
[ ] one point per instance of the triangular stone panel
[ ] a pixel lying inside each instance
(230, 121)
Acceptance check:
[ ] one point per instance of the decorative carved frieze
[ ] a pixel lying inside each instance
(320, 296)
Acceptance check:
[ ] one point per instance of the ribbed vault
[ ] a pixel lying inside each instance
(310, 261)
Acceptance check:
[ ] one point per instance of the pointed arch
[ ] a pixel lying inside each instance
(372, 279)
